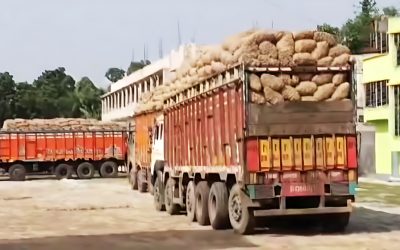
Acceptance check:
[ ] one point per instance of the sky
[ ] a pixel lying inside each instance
(89, 36)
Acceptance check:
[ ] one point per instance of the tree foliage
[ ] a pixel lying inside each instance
(390, 11)
(53, 94)
(137, 65)
(115, 74)
(355, 33)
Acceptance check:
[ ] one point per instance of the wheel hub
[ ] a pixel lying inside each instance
(236, 208)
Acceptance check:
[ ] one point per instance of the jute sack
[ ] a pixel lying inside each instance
(257, 98)
(305, 46)
(325, 37)
(272, 96)
(323, 78)
(325, 62)
(304, 59)
(289, 93)
(271, 81)
(342, 91)
(306, 88)
(339, 78)
(338, 50)
(324, 91)
(321, 50)
(255, 82)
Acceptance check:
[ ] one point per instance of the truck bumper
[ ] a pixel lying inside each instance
(304, 211)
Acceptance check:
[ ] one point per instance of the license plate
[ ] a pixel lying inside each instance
(302, 189)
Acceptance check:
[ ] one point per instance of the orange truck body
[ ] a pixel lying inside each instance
(139, 150)
(43, 151)
(42, 147)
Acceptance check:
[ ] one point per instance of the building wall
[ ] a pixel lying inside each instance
(382, 148)
(120, 103)
(379, 68)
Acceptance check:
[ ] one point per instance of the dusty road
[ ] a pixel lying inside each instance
(106, 214)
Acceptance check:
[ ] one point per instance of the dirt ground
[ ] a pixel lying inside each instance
(106, 214)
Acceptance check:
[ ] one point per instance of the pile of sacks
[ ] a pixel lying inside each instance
(61, 124)
(273, 89)
(261, 48)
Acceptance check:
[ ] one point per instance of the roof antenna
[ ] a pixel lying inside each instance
(179, 35)
(160, 48)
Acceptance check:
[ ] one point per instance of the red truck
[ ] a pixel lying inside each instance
(62, 153)
(229, 161)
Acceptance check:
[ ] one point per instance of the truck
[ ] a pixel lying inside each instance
(63, 153)
(145, 149)
(229, 162)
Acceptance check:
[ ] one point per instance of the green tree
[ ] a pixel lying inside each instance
(55, 94)
(356, 31)
(25, 102)
(88, 96)
(137, 65)
(390, 11)
(7, 94)
(115, 74)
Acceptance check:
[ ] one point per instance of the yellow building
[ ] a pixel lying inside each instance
(381, 79)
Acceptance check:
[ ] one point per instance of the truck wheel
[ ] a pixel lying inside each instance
(218, 206)
(335, 223)
(202, 192)
(109, 169)
(170, 207)
(150, 187)
(63, 171)
(191, 202)
(133, 179)
(241, 217)
(141, 181)
(85, 170)
(17, 172)
(159, 193)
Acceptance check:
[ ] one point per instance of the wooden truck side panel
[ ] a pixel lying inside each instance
(142, 140)
(49, 146)
(205, 134)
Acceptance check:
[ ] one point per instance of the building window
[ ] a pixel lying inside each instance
(397, 44)
(397, 110)
(376, 94)
(361, 118)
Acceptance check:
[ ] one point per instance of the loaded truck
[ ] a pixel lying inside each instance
(145, 149)
(63, 153)
(228, 161)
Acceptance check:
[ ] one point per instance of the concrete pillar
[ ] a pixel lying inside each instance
(152, 83)
(130, 94)
(127, 97)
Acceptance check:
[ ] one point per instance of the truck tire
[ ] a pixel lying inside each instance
(63, 171)
(133, 179)
(202, 192)
(240, 216)
(17, 172)
(218, 206)
(191, 202)
(141, 181)
(109, 169)
(85, 170)
(150, 187)
(335, 223)
(159, 193)
(170, 207)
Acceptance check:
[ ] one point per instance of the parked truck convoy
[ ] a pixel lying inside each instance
(63, 152)
(227, 158)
